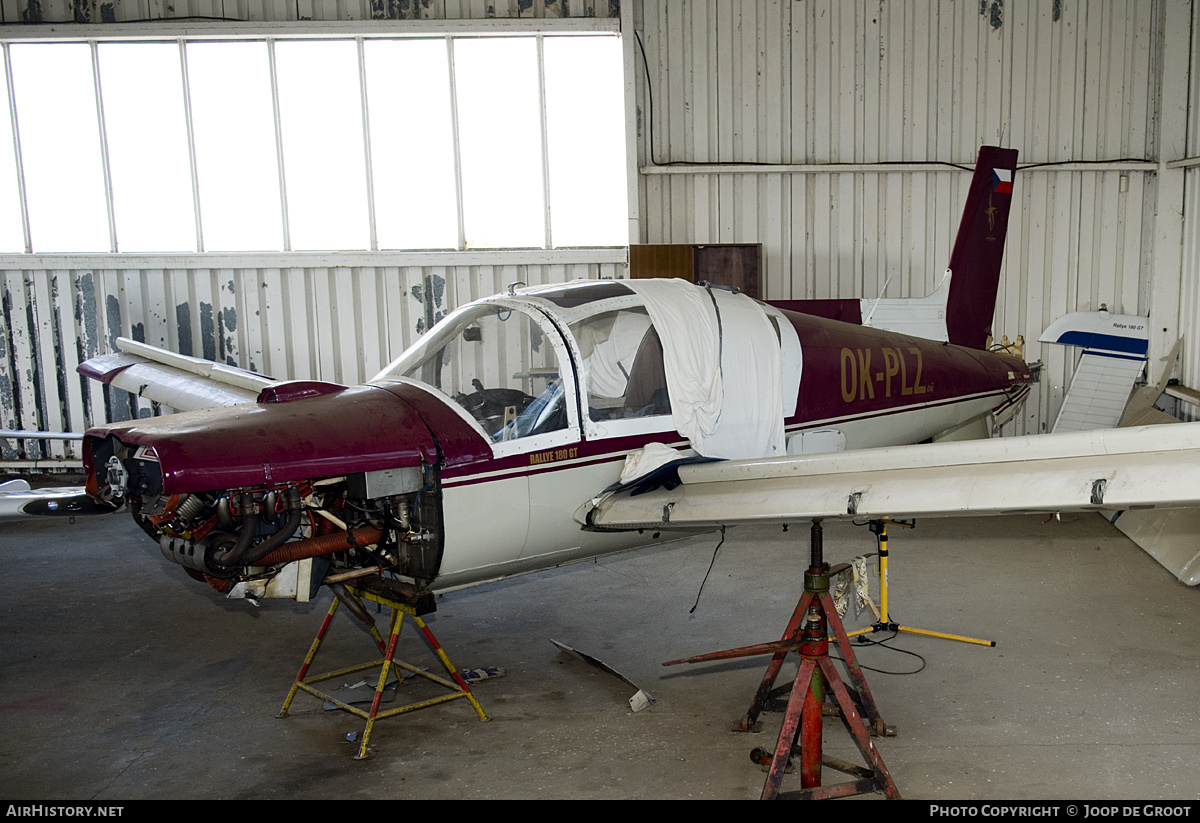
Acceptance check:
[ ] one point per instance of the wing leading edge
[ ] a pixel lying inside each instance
(1101, 470)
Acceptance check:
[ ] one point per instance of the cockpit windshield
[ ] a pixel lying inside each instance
(500, 364)
(496, 363)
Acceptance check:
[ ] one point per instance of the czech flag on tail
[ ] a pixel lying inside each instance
(1002, 181)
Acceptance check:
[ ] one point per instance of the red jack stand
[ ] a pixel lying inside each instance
(808, 632)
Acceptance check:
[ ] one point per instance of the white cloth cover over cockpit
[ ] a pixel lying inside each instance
(721, 357)
(609, 360)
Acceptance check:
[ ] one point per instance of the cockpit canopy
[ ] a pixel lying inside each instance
(508, 365)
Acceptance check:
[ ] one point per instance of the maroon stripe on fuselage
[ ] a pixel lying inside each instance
(570, 456)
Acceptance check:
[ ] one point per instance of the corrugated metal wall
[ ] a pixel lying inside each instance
(866, 83)
(1189, 304)
(323, 322)
(1071, 84)
(121, 11)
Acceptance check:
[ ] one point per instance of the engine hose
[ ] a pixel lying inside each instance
(217, 583)
(323, 544)
(294, 509)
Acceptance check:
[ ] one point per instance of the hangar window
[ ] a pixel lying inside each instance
(358, 143)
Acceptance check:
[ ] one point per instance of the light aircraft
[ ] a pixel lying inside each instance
(466, 459)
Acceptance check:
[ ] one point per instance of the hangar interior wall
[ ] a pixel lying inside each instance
(820, 129)
(874, 87)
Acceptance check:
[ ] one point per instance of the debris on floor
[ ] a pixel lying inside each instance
(363, 692)
(482, 673)
(640, 700)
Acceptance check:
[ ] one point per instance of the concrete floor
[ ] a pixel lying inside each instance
(123, 679)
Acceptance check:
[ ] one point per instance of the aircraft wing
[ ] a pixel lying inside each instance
(185, 383)
(1100, 470)
(19, 502)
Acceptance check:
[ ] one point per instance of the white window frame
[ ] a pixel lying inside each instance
(337, 30)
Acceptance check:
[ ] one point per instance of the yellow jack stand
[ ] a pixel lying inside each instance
(402, 600)
(879, 529)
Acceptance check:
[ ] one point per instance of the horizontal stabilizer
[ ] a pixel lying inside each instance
(918, 316)
(177, 380)
(219, 372)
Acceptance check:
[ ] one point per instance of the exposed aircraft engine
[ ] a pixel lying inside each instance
(386, 520)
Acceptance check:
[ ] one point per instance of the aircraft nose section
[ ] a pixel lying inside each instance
(358, 429)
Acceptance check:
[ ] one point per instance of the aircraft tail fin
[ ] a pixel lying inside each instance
(979, 248)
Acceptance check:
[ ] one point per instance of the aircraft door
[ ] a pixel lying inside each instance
(624, 401)
(506, 366)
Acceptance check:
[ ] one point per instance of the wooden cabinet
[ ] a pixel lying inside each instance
(730, 264)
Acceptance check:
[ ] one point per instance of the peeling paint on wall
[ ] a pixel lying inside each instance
(8, 398)
(398, 9)
(183, 326)
(32, 13)
(85, 316)
(228, 323)
(32, 418)
(432, 296)
(60, 373)
(439, 290)
(112, 318)
(208, 337)
(994, 11)
(118, 405)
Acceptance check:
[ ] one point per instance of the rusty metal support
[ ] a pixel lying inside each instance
(807, 632)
